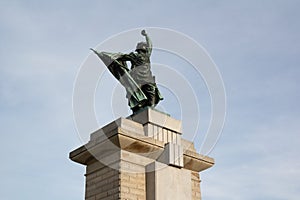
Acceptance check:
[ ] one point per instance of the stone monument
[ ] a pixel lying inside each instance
(143, 156)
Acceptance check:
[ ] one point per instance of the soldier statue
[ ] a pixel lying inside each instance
(141, 89)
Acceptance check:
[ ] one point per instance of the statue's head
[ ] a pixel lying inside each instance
(141, 46)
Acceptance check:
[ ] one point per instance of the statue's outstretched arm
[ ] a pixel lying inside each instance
(149, 42)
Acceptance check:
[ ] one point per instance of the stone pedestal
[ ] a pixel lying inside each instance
(141, 157)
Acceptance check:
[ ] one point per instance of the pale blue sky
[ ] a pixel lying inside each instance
(255, 44)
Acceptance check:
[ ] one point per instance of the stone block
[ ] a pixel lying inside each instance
(149, 130)
(172, 155)
(167, 183)
(122, 123)
(157, 118)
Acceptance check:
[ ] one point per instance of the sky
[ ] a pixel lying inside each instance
(255, 45)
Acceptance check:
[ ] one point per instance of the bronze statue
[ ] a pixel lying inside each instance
(139, 82)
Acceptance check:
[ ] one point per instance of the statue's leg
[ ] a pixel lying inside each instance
(158, 96)
(149, 90)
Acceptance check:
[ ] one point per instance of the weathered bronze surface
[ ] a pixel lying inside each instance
(138, 81)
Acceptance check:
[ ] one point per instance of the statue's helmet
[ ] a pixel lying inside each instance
(141, 46)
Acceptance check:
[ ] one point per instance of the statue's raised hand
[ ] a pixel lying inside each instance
(144, 33)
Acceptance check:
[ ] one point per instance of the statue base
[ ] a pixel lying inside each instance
(141, 157)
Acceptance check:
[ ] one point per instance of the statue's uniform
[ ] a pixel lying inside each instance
(140, 68)
(138, 81)
(142, 75)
